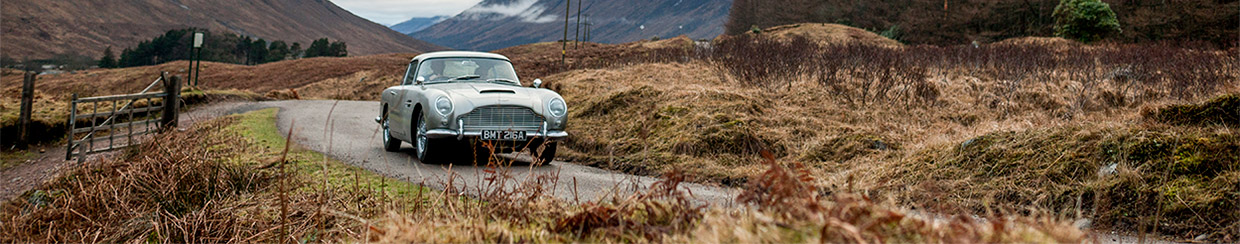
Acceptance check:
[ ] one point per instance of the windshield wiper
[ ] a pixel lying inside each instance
(465, 77)
(502, 80)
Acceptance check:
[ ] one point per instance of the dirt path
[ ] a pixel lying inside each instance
(47, 165)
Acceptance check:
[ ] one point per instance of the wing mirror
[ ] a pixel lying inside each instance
(421, 79)
(537, 83)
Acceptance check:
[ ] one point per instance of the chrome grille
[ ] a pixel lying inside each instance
(502, 118)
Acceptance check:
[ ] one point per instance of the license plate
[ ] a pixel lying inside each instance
(503, 135)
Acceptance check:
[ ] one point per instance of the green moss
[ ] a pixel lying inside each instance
(14, 158)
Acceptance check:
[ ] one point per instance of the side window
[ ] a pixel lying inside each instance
(409, 71)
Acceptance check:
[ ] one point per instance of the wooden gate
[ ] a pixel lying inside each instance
(142, 113)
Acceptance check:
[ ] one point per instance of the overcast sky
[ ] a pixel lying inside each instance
(390, 12)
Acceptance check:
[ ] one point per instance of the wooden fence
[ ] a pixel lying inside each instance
(124, 124)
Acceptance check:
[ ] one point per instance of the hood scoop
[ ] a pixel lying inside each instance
(497, 92)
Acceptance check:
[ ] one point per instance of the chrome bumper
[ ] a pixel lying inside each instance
(446, 133)
(460, 133)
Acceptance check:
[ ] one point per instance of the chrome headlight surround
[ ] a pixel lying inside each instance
(557, 108)
(443, 106)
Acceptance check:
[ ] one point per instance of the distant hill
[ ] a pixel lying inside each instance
(495, 24)
(959, 22)
(40, 29)
(417, 23)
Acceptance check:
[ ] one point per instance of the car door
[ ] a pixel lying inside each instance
(399, 108)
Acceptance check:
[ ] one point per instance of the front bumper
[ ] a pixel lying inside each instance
(446, 133)
(460, 133)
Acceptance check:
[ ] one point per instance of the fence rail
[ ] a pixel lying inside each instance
(124, 124)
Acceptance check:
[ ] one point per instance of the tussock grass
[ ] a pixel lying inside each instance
(880, 121)
(222, 181)
(1121, 177)
(1223, 110)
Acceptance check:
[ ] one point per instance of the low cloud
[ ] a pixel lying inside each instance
(524, 10)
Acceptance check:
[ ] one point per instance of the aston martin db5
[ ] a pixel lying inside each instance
(452, 104)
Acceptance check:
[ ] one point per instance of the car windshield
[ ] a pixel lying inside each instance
(441, 70)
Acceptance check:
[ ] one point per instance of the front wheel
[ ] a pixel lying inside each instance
(544, 154)
(429, 151)
(390, 143)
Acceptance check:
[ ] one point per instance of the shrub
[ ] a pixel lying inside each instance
(1084, 20)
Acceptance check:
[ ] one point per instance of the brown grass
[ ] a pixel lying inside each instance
(216, 182)
(834, 34)
(702, 117)
(782, 206)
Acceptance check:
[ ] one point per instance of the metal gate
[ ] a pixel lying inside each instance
(142, 113)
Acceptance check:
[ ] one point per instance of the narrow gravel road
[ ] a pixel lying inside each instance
(351, 136)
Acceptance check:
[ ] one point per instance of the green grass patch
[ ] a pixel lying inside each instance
(258, 130)
(14, 158)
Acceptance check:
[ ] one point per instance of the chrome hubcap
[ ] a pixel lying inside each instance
(421, 138)
(387, 135)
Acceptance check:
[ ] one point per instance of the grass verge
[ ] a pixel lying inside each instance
(227, 180)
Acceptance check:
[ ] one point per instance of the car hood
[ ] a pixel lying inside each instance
(473, 95)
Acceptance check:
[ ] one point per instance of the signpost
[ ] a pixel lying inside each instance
(195, 54)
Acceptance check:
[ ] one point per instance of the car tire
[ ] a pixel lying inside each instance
(390, 144)
(429, 151)
(546, 156)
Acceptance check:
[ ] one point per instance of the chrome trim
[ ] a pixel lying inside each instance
(441, 133)
(503, 117)
(446, 133)
(460, 128)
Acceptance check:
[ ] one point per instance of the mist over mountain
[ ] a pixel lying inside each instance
(416, 24)
(495, 24)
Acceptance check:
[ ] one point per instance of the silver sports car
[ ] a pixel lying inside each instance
(451, 104)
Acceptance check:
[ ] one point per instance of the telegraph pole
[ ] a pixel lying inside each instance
(577, 36)
(564, 41)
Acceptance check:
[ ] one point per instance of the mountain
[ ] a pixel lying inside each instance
(417, 23)
(44, 28)
(495, 24)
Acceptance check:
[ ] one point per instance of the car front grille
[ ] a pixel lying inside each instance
(502, 118)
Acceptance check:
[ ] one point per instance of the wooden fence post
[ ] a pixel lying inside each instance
(26, 105)
(172, 97)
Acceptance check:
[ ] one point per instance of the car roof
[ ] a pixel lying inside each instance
(459, 54)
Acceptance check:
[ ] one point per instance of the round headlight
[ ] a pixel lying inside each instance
(557, 107)
(443, 105)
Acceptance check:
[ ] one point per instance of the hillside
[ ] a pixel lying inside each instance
(961, 22)
(416, 24)
(41, 29)
(495, 24)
